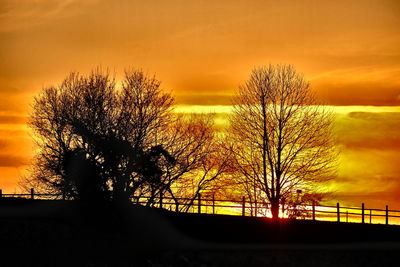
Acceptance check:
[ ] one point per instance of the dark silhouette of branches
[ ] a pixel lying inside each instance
(202, 163)
(280, 138)
(191, 140)
(97, 142)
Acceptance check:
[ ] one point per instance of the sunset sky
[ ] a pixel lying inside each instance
(201, 51)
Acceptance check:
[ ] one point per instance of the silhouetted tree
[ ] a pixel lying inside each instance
(99, 142)
(280, 138)
(200, 163)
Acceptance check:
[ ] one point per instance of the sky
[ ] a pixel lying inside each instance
(201, 51)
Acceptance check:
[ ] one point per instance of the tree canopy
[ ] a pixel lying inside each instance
(103, 140)
(97, 141)
(280, 137)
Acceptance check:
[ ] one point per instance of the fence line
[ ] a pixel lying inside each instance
(241, 207)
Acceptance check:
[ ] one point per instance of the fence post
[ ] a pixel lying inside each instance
(1, 193)
(313, 210)
(362, 211)
(347, 216)
(255, 208)
(338, 211)
(213, 203)
(177, 206)
(243, 206)
(32, 193)
(199, 203)
(161, 200)
(387, 214)
(370, 216)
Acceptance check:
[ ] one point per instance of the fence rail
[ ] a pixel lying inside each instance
(242, 207)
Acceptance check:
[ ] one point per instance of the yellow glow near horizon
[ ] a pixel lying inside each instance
(335, 109)
(368, 138)
(203, 109)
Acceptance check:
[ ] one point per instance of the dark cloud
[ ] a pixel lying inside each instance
(369, 130)
(7, 89)
(12, 161)
(12, 132)
(10, 119)
(3, 144)
(372, 198)
(10, 106)
(203, 99)
(360, 93)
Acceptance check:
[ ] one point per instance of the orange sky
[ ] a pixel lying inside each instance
(202, 50)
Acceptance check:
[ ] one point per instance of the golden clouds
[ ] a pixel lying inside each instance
(349, 49)
(12, 161)
(369, 169)
(369, 141)
(12, 119)
(368, 130)
(16, 148)
(27, 13)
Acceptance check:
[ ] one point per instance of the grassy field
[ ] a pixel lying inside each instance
(57, 233)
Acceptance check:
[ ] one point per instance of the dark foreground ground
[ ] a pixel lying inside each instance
(56, 233)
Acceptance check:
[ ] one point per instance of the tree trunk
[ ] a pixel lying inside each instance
(275, 210)
(120, 196)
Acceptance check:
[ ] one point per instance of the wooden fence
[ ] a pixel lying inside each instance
(242, 207)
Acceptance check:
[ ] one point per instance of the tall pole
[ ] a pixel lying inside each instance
(313, 210)
(243, 206)
(199, 203)
(387, 214)
(362, 218)
(370, 216)
(213, 203)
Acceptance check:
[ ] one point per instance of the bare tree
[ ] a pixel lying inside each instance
(192, 141)
(97, 141)
(199, 171)
(280, 138)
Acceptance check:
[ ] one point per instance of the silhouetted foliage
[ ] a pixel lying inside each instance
(280, 138)
(100, 142)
